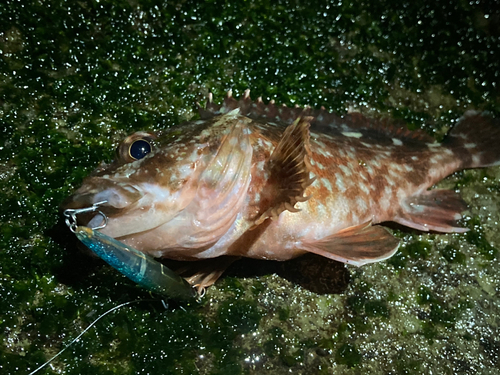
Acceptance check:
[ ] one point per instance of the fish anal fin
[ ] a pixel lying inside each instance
(436, 210)
(288, 170)
(356, 245)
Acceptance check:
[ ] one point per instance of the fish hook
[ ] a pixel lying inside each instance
(71, 213)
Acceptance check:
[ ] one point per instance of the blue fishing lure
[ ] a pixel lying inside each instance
(137, 266)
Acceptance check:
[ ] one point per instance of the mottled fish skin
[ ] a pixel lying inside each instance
(269, 182)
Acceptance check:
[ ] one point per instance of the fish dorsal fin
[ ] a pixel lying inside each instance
(379, 130)
(254, 109)
(288, 172)
(222, 187)
(356, 245)
(383, 131)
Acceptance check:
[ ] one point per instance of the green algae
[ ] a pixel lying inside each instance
(438, 313)
(413, 250)
(477, 238)
(453, 255)
(361, 303)
(348, 355)
(77, 77)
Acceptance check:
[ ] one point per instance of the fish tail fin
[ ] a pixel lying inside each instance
(475, 140)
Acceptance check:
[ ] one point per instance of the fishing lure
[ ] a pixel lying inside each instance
(137, 266)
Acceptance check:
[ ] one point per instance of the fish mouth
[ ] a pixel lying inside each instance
(123, 209)
(114, 198)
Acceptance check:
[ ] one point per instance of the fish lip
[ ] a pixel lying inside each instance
(79, 201)
(116, 194)
(117, 197)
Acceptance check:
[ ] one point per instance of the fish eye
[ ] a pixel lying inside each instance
(139, 149)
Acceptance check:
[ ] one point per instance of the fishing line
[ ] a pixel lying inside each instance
(129, 261)
(89, 327)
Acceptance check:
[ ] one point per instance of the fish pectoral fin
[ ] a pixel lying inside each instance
(436, 210)
(288, 169)
(356, 245)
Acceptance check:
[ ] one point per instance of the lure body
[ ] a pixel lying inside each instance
(137, 266)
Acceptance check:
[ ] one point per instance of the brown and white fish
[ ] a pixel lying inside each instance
(269, 182)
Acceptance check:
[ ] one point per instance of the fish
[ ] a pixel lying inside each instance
(256, 180)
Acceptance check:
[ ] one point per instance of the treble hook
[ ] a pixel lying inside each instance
(71, 213)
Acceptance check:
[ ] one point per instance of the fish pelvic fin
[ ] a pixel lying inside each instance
(436, 210)
(288, 169)
(204, 273)
(356, 245)
(475, 140)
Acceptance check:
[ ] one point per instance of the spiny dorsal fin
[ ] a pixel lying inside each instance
(377, 130)
(288, 169)
(253, 109)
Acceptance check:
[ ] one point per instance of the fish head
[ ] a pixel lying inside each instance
(152, 175)
(167, 189)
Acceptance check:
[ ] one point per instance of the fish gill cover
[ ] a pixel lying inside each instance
(76, 77)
